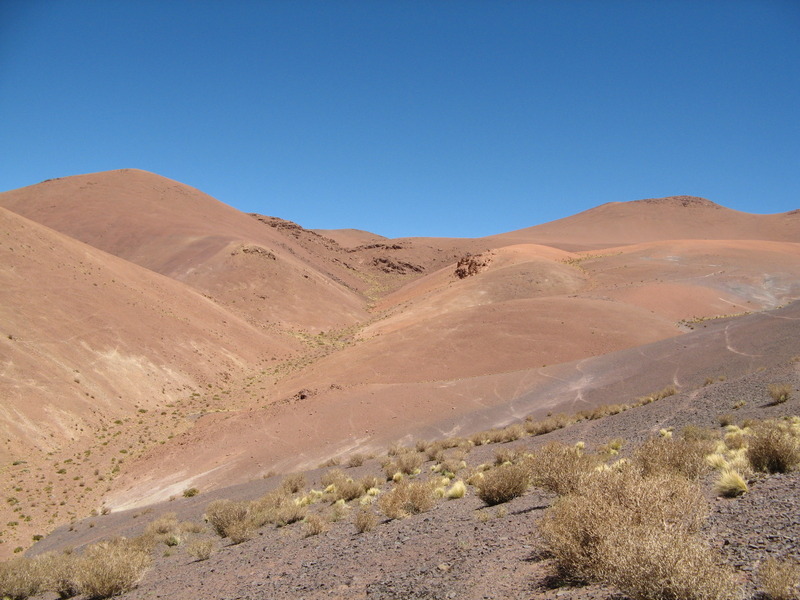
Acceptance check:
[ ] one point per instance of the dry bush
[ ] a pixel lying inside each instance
(407, 498)
(507, 455)
(666, 392)
(224, 515)
(549, 424)
(277, 509)
(503, 483)
(779, 392)
(348, 489)
(559, 468)
(365, 520)
(730, 484)
(200, 549)
(406, 463)
(314, 525)
(397, 448)
(333, 477)
(693, 433)
(779, 579)
(370, 481)
(164, 525)
(650, 563)
(191, 527)
(725, 420)
(241, 531)
(637, 533)
(772, 448)
(355, 460)
(57, 572)
(110, 568)
(667, 455)
(512, 433)
(19, 578)
(294, 483)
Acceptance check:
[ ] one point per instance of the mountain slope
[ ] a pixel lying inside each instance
(670, 218)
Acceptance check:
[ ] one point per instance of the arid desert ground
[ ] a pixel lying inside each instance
(162, 350)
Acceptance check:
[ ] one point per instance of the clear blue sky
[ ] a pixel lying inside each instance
(410, 118)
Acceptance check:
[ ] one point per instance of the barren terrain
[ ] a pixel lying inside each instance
(158, 340)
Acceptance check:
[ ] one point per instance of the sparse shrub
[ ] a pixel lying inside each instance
(559, 468)
(512, 433)
(507, 455)
(241, 531)
(693, 433)
(730, 484)
(57, 573)
(314, 525)
(226, 515)
(365, 520)
(355, 460)
(666, 392)
(333, 477)
(638, 534)
(191, 527)
(292, 484)
(725, 420)
(407, 498)
(666, 455)
(348, 489)
(200, 549)
(780, 579)
(190, 492)
(406, 463)
(772, 449)
(276, 508)
(650, 563)
(110, 568)
(370, 481)
(502, 484)
(163, 525)
(779, 392)
(19, 579)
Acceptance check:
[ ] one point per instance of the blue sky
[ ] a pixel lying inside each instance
(410, 118)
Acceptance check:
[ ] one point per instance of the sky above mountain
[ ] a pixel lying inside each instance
(410, 118)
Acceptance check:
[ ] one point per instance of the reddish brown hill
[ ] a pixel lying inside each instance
(101, 356)
(257, 269)
(671, 218)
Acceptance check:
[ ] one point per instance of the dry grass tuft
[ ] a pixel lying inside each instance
(365, 520)
(226, 516)
(559, 468)
(636, 533)
(110, 568)
(314, 525)
(355, 460)
(502, 484)
(780, 579)
(773, 448)
(779, 392)
(680, 457)
(200, 549)
(293, 484)
(407, 498)
(19, 578)
(730, 484)
(406, 463)
(456, 491)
